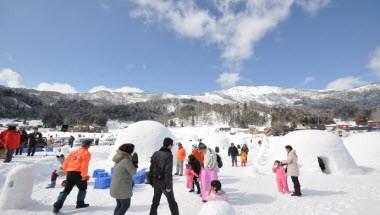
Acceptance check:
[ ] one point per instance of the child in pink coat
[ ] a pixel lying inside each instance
(216, 193)
(189, 172)
(281, 178)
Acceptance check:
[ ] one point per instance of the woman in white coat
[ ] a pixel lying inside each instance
(293, 169)
(210, 170)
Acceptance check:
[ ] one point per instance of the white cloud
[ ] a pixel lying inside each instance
(374, 63)
(236, 28)
(346, 83)
(121, 89)
(312, 6)
(56, 87)
(227, 80)
(10, 78)
(308, 80)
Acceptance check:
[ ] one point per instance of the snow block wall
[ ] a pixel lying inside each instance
(217, 208)
(147, 136)
(364, 148)
(16, 192)
(309, 145)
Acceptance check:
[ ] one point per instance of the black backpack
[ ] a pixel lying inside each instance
(219, 160)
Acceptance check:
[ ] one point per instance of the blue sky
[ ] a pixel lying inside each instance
(120, 43)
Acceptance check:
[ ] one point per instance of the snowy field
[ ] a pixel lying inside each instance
(349, 189)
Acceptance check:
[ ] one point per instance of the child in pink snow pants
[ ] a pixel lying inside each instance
(207, 176)
(281, 179)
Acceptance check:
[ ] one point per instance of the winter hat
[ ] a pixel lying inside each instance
(202, 146)
(87, 142)
(128, 148)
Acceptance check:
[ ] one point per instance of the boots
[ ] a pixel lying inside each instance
(51, 185)
(82, 205)
(297, 191)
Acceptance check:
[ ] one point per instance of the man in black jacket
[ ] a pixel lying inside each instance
(161, 173)
(234, 153)
(34, 140)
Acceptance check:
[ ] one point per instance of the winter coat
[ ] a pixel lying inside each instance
(195, 166)
(245, 149)
(190, 173)
(24, 138)
(279, 171)
(78, 161)
(198, 154)
(121, 184)
(161, 169)
(210, 161)
(10, 139)
(50, 143)
(292, 163)
(181, 154)
(217, 196)
(35, 139)
(243, 156)
(233, 151)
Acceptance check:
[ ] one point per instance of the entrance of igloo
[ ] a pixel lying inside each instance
(323, 164)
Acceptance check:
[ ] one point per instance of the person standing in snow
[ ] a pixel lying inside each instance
(293, 169)
(233, 152)
(121, 185)
(193, 173)
(210, 170)
(198, 154)
(281, 179)
(49, 144)
(181, 155)
(161, 177)
(34, 140)
(10, 139)
(76, 168)
(23, 141)
(71, 141)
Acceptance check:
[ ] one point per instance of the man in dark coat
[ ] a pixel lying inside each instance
(233, 152)
(161, 175)
(34, 140)
(23, 141)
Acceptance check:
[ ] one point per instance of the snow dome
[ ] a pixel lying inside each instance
(217, 208)
(216, 140)
(364, 148)
(147, 136)
(318, 151)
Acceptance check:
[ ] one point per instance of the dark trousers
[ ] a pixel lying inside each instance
(19, 150)
(9, 155)
(295, 181)
(196, 183)
(32, 150)
(157, 198)
(72, 179)
(122, 205)
(234, 160)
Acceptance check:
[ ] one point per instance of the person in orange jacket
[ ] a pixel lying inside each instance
(198, 154)
(76, 168)
(10, 140)
(181, 156)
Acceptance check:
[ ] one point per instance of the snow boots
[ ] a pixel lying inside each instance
(81, 204)
(297, 191)
(51, 185)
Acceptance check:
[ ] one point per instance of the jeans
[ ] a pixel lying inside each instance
(19, 150)
(295, 181)
(156, 201)
(122, 205)
(31, 150)
(9, 155)
(179, 167)
(234, 160)
(72, 179)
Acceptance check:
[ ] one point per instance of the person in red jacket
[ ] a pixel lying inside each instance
(76, 168)
(10, 139)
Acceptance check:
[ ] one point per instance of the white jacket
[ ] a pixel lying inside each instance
(292, 162)
(210, 160)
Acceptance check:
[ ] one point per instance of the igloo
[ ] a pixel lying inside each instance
(216, 141)
(217, 208)
(364, 148)
(147, 136)
(315, 149)
(16, 192)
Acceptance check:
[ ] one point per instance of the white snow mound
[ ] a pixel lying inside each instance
(216, 141)
(16, 192)
(147, 136)
(364, 148)
(217, 208)
(309, 145)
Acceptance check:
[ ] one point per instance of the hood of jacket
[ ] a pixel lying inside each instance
(119, 156)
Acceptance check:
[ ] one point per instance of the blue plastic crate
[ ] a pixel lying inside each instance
(97, 171)
(102, 183)
(102, 175)
(139, 178)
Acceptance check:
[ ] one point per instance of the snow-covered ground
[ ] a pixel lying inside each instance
(249, 192)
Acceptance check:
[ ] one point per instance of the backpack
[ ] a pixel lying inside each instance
(219, 161)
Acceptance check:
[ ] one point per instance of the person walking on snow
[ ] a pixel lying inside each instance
(10, 139)
(281, 179)
(76, 168)
(34, 140)
(293, 169)
(193, 173)
(23, 141)
(121, 185)
(161, 177)
(181, 155)
(233, 152)
(210, 170)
